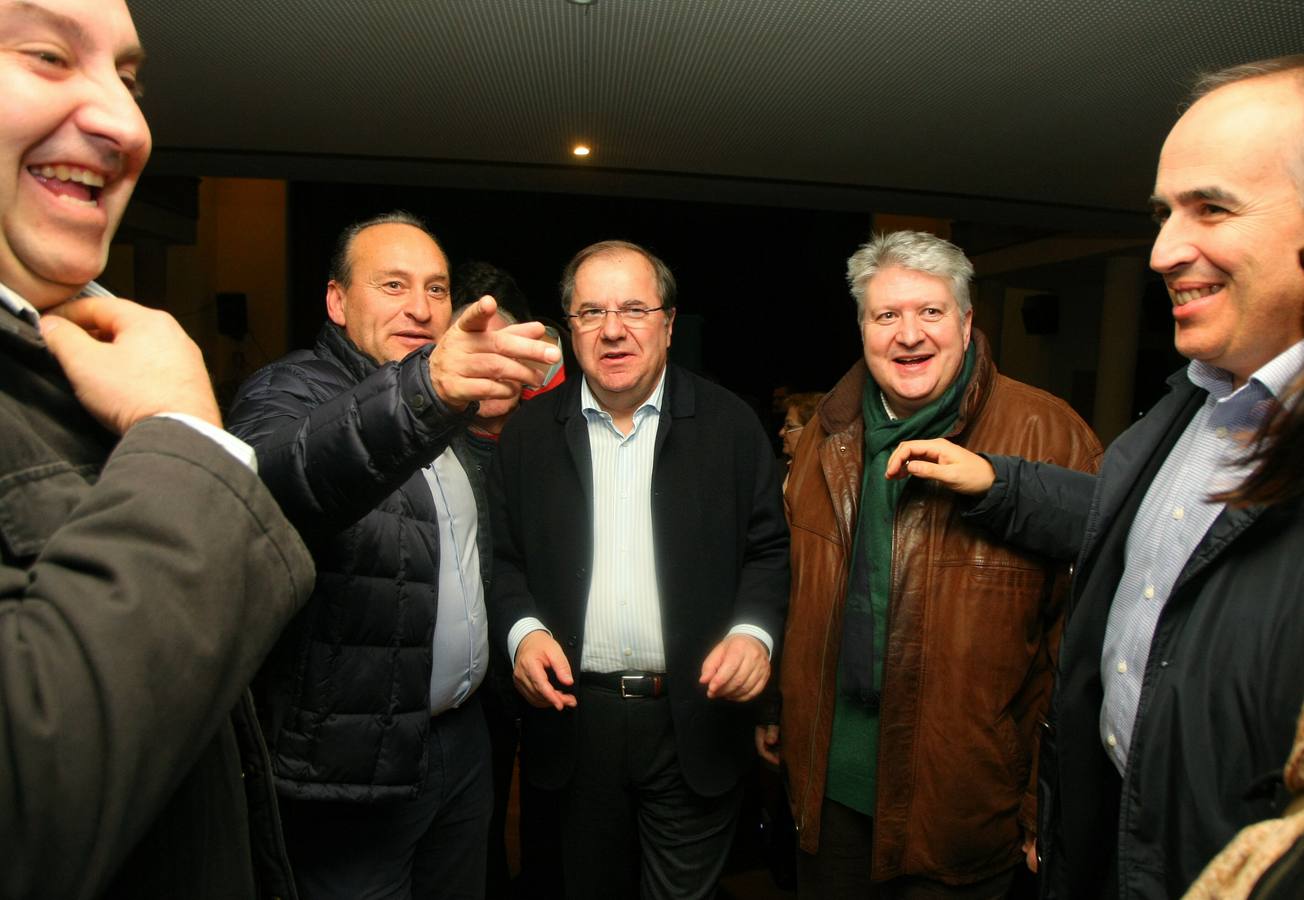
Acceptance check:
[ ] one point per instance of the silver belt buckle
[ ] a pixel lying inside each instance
(625, 679)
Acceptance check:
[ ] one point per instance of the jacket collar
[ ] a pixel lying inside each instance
(334, 344)
(840, 408)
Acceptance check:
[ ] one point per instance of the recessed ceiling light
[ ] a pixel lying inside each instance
(583, 2)
(581, 149)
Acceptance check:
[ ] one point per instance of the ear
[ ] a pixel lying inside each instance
(335, 303)
(670, 324)
(968, 327)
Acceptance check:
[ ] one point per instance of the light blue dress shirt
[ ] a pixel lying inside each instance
(461, 641)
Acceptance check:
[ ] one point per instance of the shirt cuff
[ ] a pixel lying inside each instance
(227, 441)
(518, 633)
(759, 633)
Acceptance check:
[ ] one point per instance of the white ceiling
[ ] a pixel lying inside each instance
(930, 102)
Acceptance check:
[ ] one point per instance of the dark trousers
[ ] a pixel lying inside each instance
(841, 867)
(498, 697)
(630, 825)
(432, 846)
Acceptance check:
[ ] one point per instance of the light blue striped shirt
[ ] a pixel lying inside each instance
(622, 621)
(1173, 518)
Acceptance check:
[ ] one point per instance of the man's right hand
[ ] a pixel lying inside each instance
(480, 358)
(127, 362)
(939, 460)
(536, 654)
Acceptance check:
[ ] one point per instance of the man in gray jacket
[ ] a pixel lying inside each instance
(1181, 675)
(144, 569)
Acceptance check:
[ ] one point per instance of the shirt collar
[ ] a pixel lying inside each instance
(18, 305)
(11, 301)
(589, 403)
(1274, 376)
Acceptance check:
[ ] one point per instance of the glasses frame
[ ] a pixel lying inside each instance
(622, 314)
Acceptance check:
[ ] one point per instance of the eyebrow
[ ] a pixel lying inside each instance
(403, 273)
(133, 53)
(1205, 194)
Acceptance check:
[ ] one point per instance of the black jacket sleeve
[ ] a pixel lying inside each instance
(1040, 507)
(329, 450)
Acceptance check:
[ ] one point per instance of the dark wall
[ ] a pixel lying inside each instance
(768, 284)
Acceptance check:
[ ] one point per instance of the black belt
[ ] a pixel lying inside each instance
(627, 684)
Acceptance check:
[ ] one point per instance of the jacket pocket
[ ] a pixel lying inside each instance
(35, 502)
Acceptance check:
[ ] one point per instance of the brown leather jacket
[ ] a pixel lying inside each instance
(972, 631)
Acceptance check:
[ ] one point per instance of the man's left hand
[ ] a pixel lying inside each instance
(737, 669)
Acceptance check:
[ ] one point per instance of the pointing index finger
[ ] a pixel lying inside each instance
(479, 314)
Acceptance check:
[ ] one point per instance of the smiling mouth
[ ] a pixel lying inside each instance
(71, 184)
(912, 360)
(1181, 298)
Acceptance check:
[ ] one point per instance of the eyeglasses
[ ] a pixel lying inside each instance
(593, 317)
(789, 429)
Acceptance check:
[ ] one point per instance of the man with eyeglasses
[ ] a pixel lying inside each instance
(640, 586)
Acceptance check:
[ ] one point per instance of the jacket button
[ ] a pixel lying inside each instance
(418, 401)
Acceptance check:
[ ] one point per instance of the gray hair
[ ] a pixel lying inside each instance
(341, 265)
(1209, 82)
(665, 278)
(917, 251)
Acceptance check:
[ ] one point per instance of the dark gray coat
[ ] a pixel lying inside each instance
(141, 583)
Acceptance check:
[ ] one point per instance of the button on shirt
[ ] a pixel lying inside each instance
(461, 641)
(1174, 516)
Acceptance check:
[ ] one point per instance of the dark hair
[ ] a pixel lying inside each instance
(1277, 454)
(341, 265)
(665, 278)
(472, 280)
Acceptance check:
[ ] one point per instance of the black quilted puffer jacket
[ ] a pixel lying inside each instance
(341, 443)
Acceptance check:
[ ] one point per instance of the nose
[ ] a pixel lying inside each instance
(416, 305)
(1173, 247)
(110, 116)
(613, 326)
(908, 333)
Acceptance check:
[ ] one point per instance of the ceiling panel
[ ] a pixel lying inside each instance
(1042, 101)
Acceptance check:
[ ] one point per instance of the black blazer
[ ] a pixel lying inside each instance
(721, 558)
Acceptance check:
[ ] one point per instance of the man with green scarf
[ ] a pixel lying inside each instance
(919, 653)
